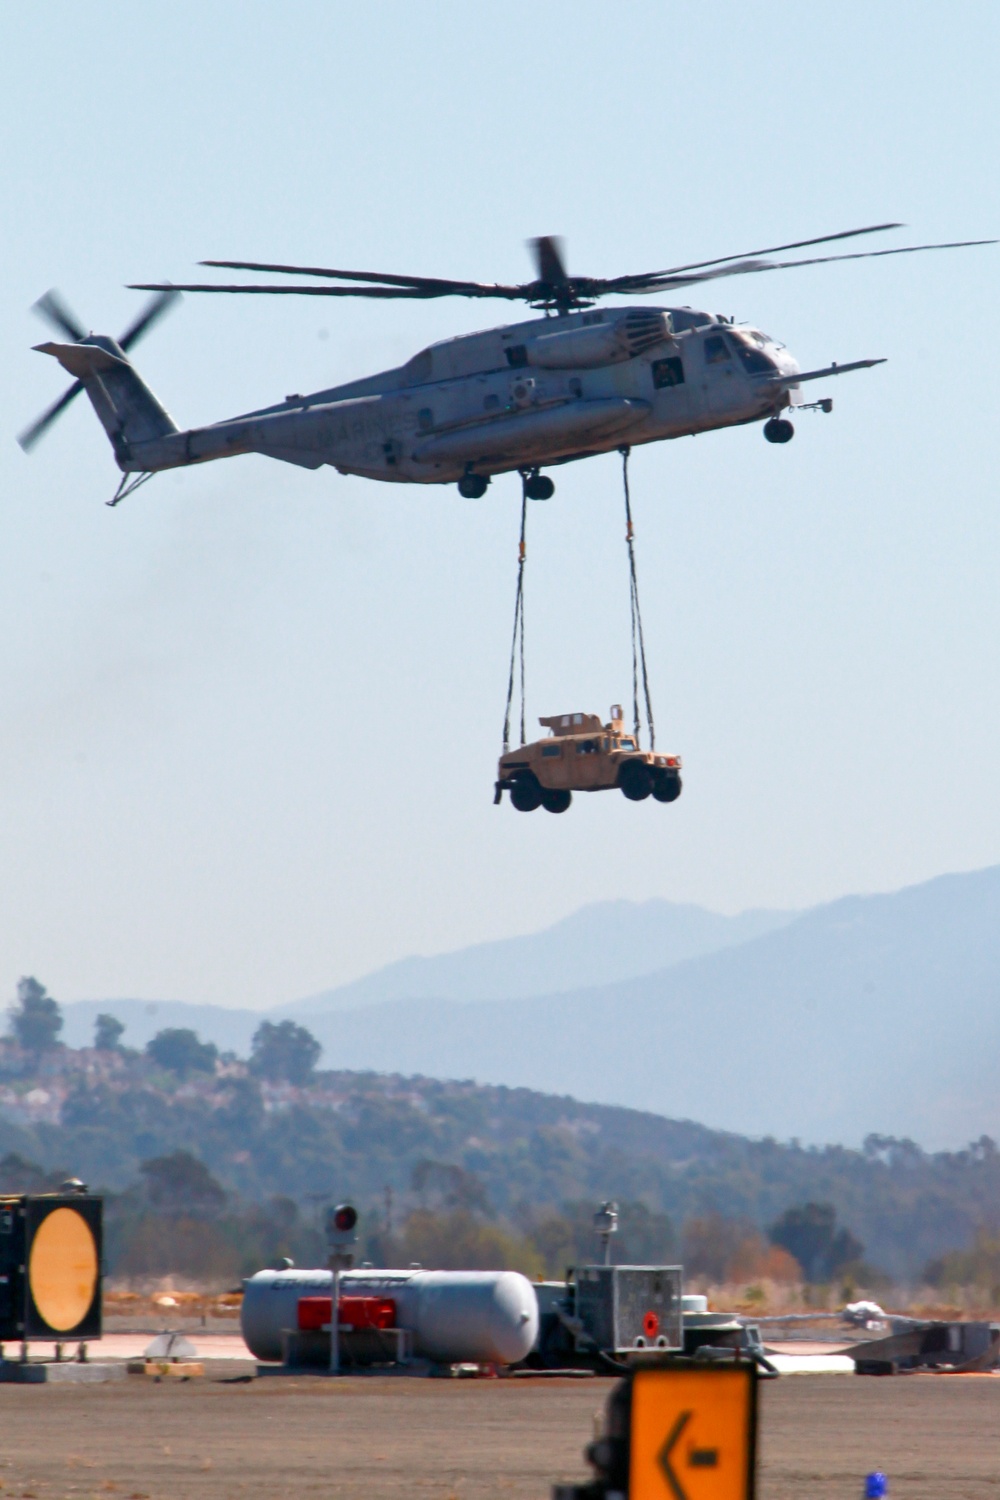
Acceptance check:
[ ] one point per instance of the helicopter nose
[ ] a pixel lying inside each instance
(786, 361)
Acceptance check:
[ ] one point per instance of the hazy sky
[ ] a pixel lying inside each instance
(250, 718)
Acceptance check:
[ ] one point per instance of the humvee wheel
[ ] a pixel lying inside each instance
(667, 788)
(556, 799)
(526, 794)
(635, 780)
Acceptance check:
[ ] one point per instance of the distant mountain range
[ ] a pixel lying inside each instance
(601, 943)
(869, 1014)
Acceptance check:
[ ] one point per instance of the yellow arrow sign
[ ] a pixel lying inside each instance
(693, 1434)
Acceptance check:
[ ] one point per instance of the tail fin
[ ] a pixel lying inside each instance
(127, 408)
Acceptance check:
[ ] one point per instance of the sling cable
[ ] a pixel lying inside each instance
(580, 753)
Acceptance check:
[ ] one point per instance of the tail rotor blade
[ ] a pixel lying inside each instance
(53, 309)
(151, 314)
(30, 436)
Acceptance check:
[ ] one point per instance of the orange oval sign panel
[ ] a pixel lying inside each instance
(63, 1269)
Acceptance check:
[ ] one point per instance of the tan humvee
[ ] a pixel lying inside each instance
(583, 755)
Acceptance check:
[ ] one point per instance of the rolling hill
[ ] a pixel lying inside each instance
(869, 1014)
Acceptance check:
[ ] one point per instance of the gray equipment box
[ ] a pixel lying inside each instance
(626, 1308)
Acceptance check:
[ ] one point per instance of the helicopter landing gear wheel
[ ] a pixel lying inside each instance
(539, 487)
(556, 800)
(779, 430)
(667, 788)
(635, 780)
(526, 794)
(472, 486)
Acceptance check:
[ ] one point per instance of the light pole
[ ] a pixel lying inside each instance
(606, 1224)
(340, 1237)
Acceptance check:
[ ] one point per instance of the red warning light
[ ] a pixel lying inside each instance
(650, 1325)
(345, 1216)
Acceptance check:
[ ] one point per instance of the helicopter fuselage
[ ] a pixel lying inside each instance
(535, 393)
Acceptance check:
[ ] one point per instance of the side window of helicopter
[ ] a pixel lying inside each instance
(667, 372)
(425, 418)
(517, 356)
(716, 351)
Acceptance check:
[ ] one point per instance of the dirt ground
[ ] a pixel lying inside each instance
(279, 1438)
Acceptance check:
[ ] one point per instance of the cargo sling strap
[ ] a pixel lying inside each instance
(517, 639)
(638, 639)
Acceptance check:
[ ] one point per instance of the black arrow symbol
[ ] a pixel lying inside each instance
(665, 1452)
(698, 1458)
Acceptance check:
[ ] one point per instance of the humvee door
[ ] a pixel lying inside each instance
(589, 766)
(553, 763)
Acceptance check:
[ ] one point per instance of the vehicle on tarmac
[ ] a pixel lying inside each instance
(580, 754)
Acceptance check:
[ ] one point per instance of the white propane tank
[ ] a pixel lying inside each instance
(475, 1317)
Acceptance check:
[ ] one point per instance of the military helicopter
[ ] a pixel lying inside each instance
(577, 381)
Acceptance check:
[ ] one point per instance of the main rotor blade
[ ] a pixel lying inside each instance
(29, 437)
(750, 266)
(151, 314)
(548, 252)
(460, 289)
(822, 239)
(443, 286)
(53, 309)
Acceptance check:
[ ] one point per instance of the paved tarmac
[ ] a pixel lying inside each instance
(310, 1438)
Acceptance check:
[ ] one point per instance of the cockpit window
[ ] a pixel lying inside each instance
(716, 352)
(752, 357)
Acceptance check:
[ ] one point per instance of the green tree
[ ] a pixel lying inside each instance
(108, 1033)
(180, 1183)
(284, 1052)
(711, 1243)
(448, 1186)
(809, 1232)
(179, 1049)
(460, 1241)
(35, 1018)
(979, 1266)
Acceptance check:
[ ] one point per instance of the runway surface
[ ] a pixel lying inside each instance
(937, 1437)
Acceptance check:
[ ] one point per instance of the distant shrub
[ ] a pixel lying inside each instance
(108, 1032)
(459, 1241)
(35, 1018)
(978, 1266)
(284, 1052)
(182, 1183)
(180, 1050)
(809, 1232)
